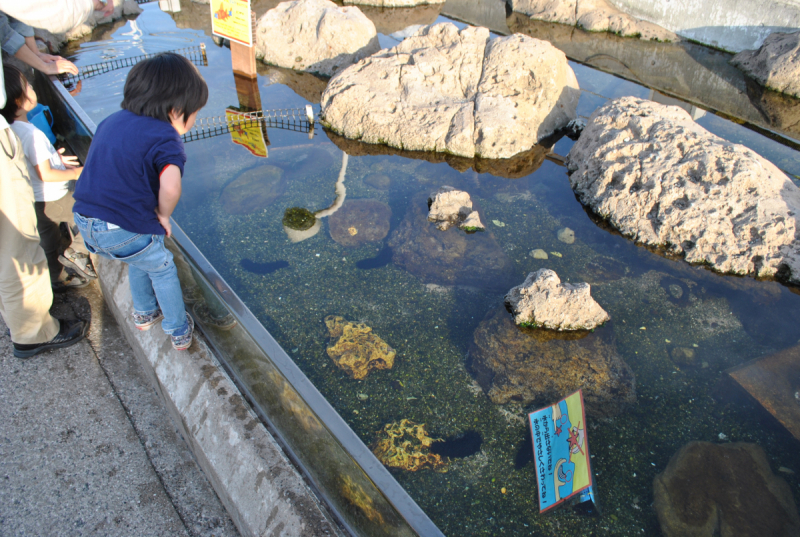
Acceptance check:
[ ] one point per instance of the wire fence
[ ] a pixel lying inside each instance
(290, 119)
(196, 55)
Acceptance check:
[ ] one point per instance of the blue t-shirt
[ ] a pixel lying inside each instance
(121, 177)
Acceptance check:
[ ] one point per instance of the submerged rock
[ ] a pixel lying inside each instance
(253, 190)
(727, 490)
(355, 349)
(358, 222)
(594, 16)
(314, 35)
(566, 235)
(407, 445)
(447, 258)
(542, 301)
(455, 91)
(538, 254)
(449, 207)
(776, 64)
(664, 181)
(537, 367)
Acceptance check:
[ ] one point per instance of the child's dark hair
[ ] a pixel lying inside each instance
(156, 86)
(16, 86)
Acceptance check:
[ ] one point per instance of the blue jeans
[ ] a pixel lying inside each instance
(151, 270)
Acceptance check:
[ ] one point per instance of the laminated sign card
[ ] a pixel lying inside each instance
(561, 452)
(231, 19)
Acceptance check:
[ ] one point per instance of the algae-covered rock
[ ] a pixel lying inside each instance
(358, 222)
(536, 367)
(355, 349)
(726, 490)
(253, 190)
(407, 445)
(298, 218)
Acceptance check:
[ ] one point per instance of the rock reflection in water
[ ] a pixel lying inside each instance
(389, 20)
(520, 165)
(537, 367)
(253, 190)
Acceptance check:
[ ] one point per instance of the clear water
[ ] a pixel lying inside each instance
(430, 316)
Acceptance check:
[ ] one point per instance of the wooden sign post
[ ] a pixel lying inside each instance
(233, 20)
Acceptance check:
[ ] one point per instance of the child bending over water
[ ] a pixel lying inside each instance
(54, 200)
(131, 183)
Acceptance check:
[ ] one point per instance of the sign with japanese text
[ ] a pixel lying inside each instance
(561, 451)
(247, 132)
(231, 19)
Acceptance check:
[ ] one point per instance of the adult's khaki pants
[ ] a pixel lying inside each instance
(25, 291)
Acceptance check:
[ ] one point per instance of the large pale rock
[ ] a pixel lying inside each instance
(533, 367)
(592, 15)
(455, 91)
(726, 490)
(664, 181)
(449, 207)
(314, 35)
(776, 64)
(543, 301)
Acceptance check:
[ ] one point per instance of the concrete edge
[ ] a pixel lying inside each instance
(262, 490)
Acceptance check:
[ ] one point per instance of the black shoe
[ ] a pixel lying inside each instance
(69, 333)
(72, 281)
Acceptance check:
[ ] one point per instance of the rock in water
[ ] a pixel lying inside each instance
(537, 367)
(355, 349)
(566, 235)
(448, 258)
(594, 16)
(314, 35)
(253, 190)
(448, 207)
(663, 180)
(455, 91)
(727, 490)
(542, 301)
(360, 221)
(776, 64)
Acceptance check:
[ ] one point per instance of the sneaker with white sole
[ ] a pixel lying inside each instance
(145, 321)
(183, 342)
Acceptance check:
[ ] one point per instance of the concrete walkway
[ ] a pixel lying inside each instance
(87, 447)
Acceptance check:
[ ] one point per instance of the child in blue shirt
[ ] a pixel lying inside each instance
(131, 183)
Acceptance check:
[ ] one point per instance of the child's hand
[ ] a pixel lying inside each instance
(71, 161)
(164, 221)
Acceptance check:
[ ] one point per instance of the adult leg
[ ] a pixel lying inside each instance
(25, 292)
(50, 236)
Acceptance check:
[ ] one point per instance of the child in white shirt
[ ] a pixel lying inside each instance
(50, 186)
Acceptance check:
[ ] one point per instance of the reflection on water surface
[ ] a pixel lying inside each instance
(435, 297)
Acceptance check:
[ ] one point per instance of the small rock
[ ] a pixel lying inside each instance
(683, 356)
(722, 436)
(556, 254)
(543, 301)
(539, 254)
(498, 223)
(785, 470)
(472, 223)
(566, 235)
(448, 207)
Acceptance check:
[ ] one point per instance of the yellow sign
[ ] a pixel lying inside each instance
(231, 19)
(247, 132)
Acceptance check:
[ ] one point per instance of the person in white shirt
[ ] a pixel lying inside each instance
(50, 186)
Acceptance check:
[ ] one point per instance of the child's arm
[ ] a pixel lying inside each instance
(53, 175)
(169, 192)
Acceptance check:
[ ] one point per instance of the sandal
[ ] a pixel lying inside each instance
(72, 281)
(79, 262)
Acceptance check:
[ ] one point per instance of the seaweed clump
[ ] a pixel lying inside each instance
(298, 218)
(407, 445)
(356, 349)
